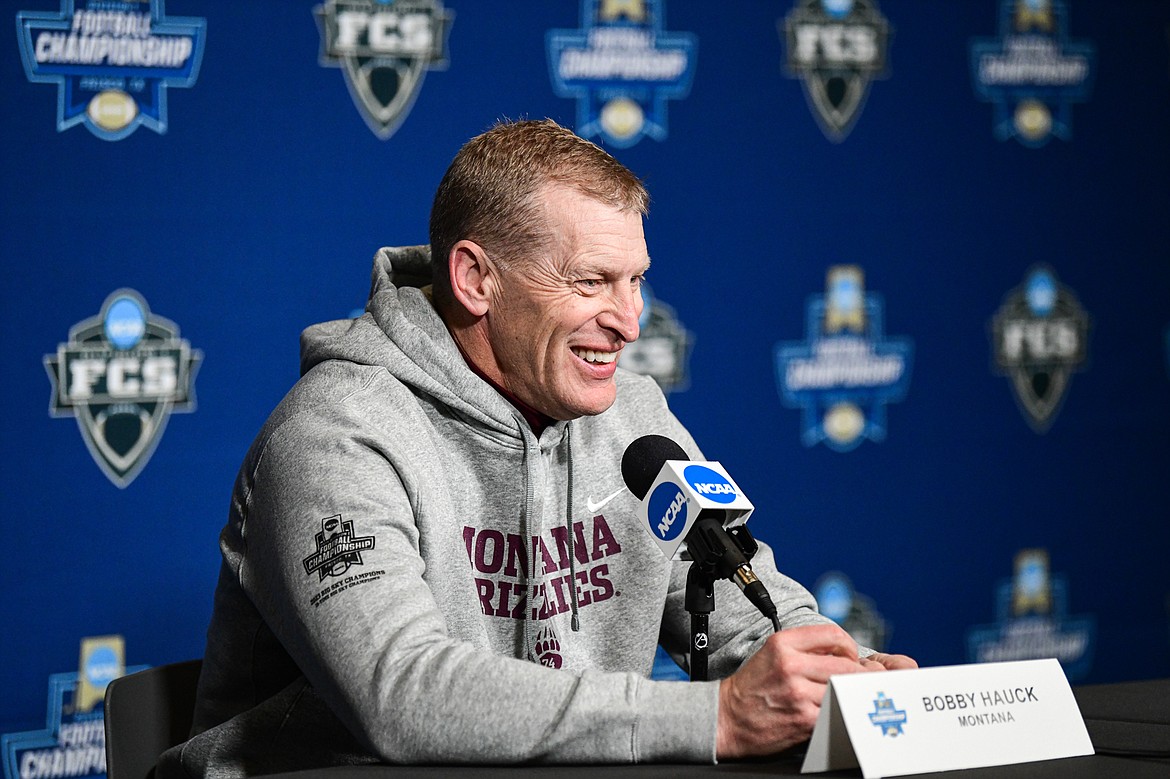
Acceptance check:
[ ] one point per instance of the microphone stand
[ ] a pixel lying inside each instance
(700, 602)
(710, 547)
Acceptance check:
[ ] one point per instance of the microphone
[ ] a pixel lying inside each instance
(695, 511)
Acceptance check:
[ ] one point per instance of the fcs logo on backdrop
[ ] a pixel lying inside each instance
(1040, 336)
(846, 371)
(854, 612)
(1032, 622)
(121, 374)
(1032, 72)
(73, 743)
(836, 48)
(385, 48)
(662, 348)
(622, 68)
(112, 62)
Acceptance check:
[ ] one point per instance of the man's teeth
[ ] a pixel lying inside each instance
(588, 355)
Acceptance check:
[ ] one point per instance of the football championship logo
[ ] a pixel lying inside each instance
(337, 548)
(73, 743)
(121, 374)
(1032, 72)
(836, 48)
(1040, 337)
(385, 48)
(112, 61)
(843, 376)
(1033, 621)
(621, 67)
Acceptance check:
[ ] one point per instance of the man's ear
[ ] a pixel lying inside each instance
(473, 276)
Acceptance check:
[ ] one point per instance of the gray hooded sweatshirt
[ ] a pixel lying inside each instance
(410, 575)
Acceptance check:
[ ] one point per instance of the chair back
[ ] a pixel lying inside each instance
(147, 713)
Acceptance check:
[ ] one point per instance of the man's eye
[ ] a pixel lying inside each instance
(591, 284)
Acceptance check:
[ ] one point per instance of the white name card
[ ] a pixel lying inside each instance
(894, 723)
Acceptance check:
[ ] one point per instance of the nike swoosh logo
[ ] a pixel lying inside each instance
(589, 504)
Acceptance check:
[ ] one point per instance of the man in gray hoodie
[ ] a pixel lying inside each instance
(430, 554)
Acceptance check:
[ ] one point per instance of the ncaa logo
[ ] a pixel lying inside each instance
(710, 484)
(667, 511)
(102, 666)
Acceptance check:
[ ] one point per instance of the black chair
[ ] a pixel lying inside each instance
(147, 713)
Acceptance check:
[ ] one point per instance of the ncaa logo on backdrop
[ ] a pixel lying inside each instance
(622, 68)
(1040, 336)
(1032, 72)
(121, 374)
(1032, 621)
(112, 61)
(384, 48)
(836, 48)
(663, 345)
(847, 370)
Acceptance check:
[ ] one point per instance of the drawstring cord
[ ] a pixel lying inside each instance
(576, 621)
(526, 530)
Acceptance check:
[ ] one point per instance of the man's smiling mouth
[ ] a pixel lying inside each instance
(589, 355)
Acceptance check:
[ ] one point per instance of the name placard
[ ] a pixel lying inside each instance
(894, 723)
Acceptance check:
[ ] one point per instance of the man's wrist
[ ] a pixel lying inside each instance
(725, 743)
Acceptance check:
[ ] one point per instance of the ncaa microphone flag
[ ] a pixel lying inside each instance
(683, 489)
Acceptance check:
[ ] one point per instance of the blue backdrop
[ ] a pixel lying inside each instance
(257, 212)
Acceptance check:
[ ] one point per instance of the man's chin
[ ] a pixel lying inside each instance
(589, 404)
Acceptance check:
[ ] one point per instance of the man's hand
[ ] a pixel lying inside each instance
(772, 701)
(883, 662)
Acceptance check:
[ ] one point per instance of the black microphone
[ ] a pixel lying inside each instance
(711, 541)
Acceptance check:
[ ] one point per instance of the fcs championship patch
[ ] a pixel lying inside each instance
(847, 370)
(836, 48)
(121, 374)
(1040, 336)
(112, 61)
(337, 548)
(1032, 72)
(384, 48)
(621, 68)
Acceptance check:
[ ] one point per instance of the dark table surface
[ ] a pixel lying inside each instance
(1128, 723)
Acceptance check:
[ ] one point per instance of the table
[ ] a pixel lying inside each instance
(1128, 723)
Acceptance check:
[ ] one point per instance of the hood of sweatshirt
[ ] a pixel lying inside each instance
(401, 332)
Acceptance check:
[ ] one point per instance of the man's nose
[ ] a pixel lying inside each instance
(623, 313)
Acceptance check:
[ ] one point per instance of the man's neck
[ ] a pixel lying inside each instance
(537, 420)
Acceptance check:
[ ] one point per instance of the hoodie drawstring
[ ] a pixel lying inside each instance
(576, 621)
(526, 530)
(531, 450)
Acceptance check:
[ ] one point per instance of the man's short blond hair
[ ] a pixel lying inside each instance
(491, 192)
